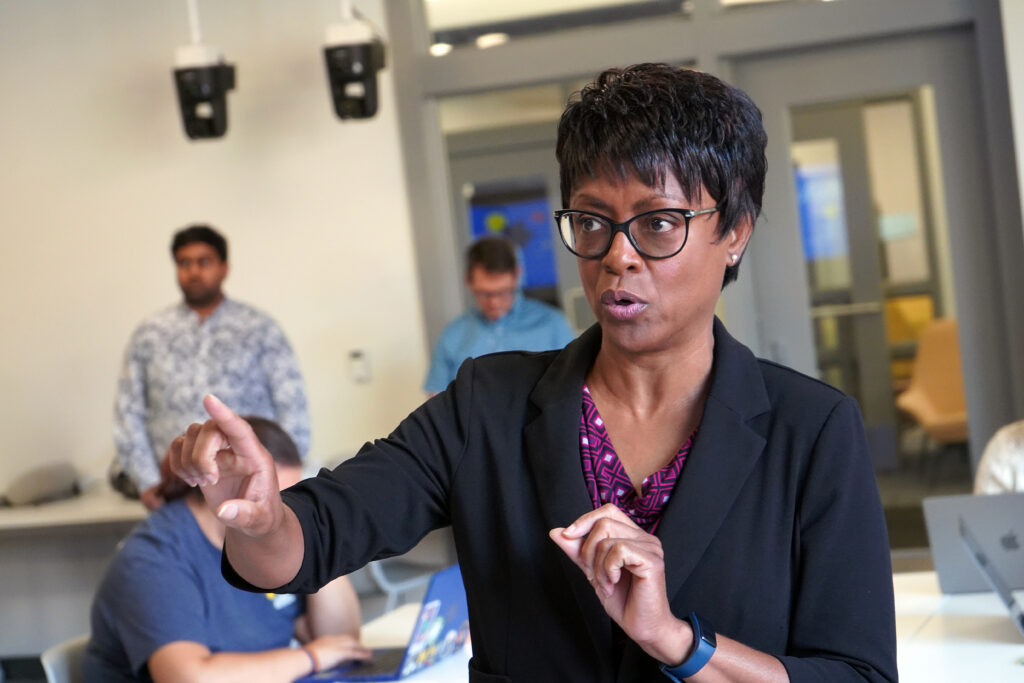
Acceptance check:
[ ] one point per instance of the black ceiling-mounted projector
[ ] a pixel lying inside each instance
(202, 80)
(353, 54)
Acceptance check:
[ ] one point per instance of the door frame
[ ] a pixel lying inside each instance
(944, 60)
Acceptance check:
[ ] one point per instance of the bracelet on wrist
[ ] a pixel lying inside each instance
(704, 645)
(312, 659)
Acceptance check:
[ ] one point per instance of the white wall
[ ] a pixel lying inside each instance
(96, 173)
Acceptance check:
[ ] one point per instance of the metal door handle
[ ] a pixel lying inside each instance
(842, 310)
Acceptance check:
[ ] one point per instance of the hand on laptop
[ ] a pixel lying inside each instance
(330, 651)
(235, 471)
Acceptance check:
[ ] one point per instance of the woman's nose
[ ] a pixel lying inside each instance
(621, 254)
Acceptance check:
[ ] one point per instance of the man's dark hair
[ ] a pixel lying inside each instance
(649, 118)
(276, 440)
(493, 254)
(200, 233)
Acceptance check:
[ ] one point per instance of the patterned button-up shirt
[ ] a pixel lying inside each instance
(1001, 469)
(173, 360)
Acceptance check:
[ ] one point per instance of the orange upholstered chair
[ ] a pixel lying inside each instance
(935, 397)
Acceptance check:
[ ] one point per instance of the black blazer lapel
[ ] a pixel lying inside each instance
(551, 442)
(725, 451)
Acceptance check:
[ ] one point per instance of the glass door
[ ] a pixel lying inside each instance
(876, 196)
(874, 276)
(868, 243)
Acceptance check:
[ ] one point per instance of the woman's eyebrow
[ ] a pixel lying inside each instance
(649, 201)
(641, 204)
(591, 201)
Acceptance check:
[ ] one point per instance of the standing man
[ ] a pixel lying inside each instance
(206, 344)
(503, 319)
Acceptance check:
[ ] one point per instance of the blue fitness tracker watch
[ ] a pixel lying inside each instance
(704, 644)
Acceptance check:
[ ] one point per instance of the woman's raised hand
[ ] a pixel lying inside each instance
(235, 472)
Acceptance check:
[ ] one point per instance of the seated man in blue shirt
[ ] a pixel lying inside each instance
(163, 612)
(503, 319)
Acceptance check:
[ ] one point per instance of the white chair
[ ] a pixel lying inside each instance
(63, 662)
(396, 576)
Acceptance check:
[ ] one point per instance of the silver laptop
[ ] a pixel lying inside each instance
(991, 574)
(998, 523)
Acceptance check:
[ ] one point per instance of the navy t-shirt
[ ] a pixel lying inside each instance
(165, 585)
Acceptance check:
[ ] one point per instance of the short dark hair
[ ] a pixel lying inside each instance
(200, 233)
(649, 118)
(276, 440)
(493, 254)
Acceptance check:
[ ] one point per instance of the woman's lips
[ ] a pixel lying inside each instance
(622, 304)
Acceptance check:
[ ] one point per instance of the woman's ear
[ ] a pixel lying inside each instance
(738, 237)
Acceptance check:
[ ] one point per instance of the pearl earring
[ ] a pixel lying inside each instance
(733, 257)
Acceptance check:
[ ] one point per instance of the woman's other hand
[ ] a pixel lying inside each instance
(626, 567)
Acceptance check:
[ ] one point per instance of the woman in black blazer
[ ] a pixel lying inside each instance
(651, 502)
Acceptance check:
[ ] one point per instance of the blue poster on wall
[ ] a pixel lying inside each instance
(819, 191)
(527, 223)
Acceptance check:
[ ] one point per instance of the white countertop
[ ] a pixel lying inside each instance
(98, 504)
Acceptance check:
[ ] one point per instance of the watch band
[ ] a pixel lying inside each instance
(704, 644)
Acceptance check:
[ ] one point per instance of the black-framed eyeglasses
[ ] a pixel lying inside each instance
(656, 234)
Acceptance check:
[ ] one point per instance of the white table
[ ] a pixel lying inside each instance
(97, 506)
(939, 637)
(967, 637)
(52, 557)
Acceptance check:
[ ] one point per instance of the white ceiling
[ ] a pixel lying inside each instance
(442, 14)
(445, 14)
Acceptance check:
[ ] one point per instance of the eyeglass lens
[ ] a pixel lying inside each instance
(657, 234)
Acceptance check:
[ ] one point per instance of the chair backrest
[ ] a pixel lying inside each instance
(63, 661)
(937, 369)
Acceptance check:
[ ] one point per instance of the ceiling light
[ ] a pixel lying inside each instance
(440, 49)
(490, 40)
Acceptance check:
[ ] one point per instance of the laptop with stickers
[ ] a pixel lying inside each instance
(441, 629)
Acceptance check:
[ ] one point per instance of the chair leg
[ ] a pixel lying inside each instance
(923, 456)
(396, 589)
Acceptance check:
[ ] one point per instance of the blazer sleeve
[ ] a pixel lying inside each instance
(842, 625)
(381, 502)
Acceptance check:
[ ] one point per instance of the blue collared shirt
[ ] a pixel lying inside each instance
(528, 326)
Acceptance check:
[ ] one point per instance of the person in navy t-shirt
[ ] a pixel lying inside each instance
(163, 611)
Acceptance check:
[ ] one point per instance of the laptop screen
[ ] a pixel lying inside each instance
(442, 627)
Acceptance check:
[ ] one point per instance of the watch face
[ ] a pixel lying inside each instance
(704, 646)
(707, 634)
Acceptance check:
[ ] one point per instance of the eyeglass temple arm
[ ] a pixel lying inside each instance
(704, 211)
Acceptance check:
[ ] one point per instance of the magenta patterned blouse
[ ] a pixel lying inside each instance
(607, 480)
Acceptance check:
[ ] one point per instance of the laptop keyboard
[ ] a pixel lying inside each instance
(385, 662)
